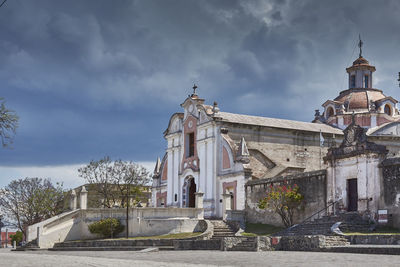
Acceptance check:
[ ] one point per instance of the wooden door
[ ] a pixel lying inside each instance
(192, 190)
(352, 195)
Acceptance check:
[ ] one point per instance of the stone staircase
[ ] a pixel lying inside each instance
(350, 222)
(226, 233)
(222, 229)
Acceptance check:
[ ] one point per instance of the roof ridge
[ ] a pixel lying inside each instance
(266, 117)
(277, 123)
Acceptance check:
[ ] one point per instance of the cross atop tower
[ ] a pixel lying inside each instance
(360, 44)
(194, 89)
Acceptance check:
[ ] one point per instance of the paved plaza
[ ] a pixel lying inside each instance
(191, 258)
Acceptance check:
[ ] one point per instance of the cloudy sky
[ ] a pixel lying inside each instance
(92, 78)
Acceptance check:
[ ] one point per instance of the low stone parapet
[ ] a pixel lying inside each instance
(214, 244)
(374, 239)
(307, 242)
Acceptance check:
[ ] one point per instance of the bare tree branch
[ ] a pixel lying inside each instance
(3, 3)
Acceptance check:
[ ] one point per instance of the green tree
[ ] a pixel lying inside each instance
(8, 124)
(18, 237)
(284, 200)
(31, 200)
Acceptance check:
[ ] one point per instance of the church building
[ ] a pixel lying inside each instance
(214, 152)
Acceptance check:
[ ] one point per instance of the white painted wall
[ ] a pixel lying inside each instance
(365, 168)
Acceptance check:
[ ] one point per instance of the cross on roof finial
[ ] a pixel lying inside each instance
(360, 44)
(194, 89)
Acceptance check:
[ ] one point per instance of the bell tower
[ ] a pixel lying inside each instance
(360, 73)
(370, 106)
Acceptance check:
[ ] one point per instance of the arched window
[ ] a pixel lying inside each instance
(388, 110)
(330, 112)
(352, 81)
(366, 81)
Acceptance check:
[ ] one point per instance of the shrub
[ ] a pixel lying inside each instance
(109, 227)
(17, 237)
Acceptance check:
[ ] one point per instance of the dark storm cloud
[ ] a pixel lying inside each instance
(94, 78)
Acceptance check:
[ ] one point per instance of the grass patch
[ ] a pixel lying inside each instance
(255, 229)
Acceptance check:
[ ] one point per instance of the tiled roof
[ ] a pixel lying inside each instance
(278, 123)
(373, 131)
(360, 60)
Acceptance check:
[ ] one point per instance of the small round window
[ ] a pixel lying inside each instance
(388, 110)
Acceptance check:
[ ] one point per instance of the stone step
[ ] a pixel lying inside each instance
(246, 245)
(221, 230)
(116, 243)
(224, 234)
(242, 248)
(365, 249)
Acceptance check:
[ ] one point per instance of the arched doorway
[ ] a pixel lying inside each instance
(191, 193)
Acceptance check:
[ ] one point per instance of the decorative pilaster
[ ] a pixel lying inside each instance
(73, 199)
(83, 198)
(199, 203)
(199, 199)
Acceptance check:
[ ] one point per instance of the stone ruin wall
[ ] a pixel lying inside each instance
(312, 186)
(292, 148)
(390, 193)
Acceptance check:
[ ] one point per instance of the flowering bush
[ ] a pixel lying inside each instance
(284, 200)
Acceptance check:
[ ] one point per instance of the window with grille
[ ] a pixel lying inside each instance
(190, 145)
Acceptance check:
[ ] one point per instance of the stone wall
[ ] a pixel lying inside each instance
(282, 147)
(374, 239)
(306, 242)
(390, 193)
(312, 186)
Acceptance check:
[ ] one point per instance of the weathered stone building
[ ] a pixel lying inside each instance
(215, 152)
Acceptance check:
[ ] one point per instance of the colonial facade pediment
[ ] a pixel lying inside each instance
(174, 124)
